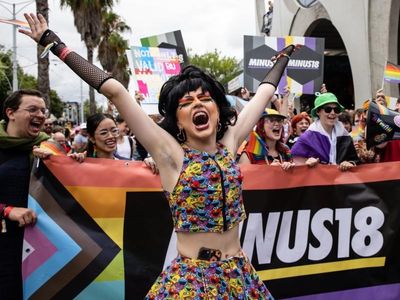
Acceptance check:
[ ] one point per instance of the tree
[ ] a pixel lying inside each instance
(25, 82)
(43, 82)
(86, 109)
(222, 68)
(112, 47)
(88, 22)
(5, 74)
(56, 104)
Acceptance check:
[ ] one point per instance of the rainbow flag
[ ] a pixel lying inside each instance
(256, 145)
(392, 73)
(53, 147)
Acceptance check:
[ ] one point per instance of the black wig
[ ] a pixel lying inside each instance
(190, 79)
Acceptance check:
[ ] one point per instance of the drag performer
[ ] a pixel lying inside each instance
(194, 150)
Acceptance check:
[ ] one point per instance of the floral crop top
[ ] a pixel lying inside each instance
(198, 203)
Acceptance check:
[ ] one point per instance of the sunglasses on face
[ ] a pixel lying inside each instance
(328, 109)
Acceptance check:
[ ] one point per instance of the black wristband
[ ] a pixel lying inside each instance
(49, 37)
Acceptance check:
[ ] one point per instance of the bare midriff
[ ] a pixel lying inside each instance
(189, 243)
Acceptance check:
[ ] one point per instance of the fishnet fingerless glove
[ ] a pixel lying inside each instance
(275, 73)
(91, 74)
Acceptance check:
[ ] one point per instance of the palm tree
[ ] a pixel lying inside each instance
(88, 22)
(112, 47)
(43, 82)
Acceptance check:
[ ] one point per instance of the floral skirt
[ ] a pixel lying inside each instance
(187, 278)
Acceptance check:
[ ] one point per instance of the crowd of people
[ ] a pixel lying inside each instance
(198, 128)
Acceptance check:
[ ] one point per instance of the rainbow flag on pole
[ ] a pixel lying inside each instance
(392, 73)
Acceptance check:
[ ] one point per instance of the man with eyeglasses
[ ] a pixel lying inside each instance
(23, 115)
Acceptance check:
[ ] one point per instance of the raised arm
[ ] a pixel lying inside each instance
(249, 116)
(156, 141)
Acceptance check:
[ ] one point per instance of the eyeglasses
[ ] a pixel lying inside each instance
(48, 124)
(35, 111)
(274, 120)
(113, 131)
(328, 109)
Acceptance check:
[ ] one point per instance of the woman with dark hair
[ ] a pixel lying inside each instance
(103, 133)
(195, 151)
(265, 144)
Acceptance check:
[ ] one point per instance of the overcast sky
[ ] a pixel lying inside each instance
(206, 25)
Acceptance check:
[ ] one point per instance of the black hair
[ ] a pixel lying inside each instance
(67, 133)
(13, 101)
(190, 79)
(92, 123)
(345, 117)
(119, 119)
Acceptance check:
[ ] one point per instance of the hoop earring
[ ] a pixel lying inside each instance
(219, 126)
(181, 136)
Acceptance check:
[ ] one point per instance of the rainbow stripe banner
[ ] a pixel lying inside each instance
(104, 230)
(392, 73)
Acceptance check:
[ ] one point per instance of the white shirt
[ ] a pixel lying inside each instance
(124, 149)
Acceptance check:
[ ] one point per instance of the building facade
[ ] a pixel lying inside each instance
(360, 36)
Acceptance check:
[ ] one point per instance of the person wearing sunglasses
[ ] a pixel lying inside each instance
(326, 141)
(48, 127)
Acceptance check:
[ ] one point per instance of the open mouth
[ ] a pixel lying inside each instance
(111, 143)
(200, 119)
(276, 131)
(35, 125)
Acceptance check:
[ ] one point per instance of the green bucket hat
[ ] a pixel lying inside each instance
(323, 99)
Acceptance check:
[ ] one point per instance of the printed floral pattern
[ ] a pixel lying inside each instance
(186, 278)
(198, 203)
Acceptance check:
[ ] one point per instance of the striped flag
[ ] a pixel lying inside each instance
(392, 73)
(21, 24)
